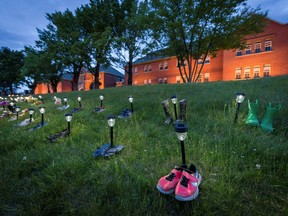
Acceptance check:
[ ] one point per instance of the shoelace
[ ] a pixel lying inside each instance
(171, 176)
(184, 181)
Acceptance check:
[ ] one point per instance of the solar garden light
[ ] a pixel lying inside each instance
(174, 101)
(239, 99)
(40, 97)
(181, 129)
(101, 97)
(12, 105)
(111, 123)
(68, 117)
(17, 109)
(65, 101)
(79, 102)
(42, 111)
(31, 112)
(130, 99)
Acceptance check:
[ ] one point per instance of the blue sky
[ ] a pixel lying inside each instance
(20, 18)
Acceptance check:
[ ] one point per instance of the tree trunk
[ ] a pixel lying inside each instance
(96, 76)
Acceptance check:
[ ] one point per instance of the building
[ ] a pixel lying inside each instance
(108, 77)
(264, 56)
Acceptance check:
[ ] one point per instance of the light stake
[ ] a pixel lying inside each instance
(65, 101)
(17, 109)
(130, 99)
(40, 97)
(181, 129)
(42, 111)
(174, 101)
(239, 99)
(111, 123)
(79, 102)
(68, 117)
(31, 112)
(12, 106)
(101, 97)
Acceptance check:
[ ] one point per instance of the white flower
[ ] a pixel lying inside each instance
(258, 166)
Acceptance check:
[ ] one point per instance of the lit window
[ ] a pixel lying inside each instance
(135, 82)
(165, 80)
(178, 79)
(268, 45)
(160, 66)
(238, 52)
(149, 81)
(165, 65)
(145, 68)
(257, 47)
(238, 73)
(160, 81)
(266, 70)
(247, 72)
(256, 71)
(149, 67)
(248, 49)
(199, 78)
(136, 70)
(206, 77)
(145, 81)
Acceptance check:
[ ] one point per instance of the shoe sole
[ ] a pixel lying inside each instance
(163, 191)
(183, 199)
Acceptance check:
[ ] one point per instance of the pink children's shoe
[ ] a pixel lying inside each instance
(187, 187)
(167, 184)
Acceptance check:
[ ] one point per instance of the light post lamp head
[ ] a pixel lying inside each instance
(240, 97)
(111, 120)
(79, 99)
(181, 130)
(101, 97)
(65, 100)
(42, 110)
(174, 99)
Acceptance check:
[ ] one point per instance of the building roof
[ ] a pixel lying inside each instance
(111, 70)
(160, 54)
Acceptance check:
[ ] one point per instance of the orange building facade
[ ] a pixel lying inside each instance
(265, 55)
(108, 77)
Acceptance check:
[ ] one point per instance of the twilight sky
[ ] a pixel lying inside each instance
(20, 18)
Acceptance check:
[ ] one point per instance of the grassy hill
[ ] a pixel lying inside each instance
(244, 169)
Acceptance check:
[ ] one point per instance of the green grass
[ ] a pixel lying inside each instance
(62, 178)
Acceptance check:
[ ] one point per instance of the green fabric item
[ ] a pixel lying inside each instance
(267, 120)
(252, 118)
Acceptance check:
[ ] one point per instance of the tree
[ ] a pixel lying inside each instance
(95, 21)
(72, 49)
(10, 69)
(193, 29)
(131, 33)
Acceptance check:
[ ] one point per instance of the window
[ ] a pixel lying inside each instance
(149, 67)
(268, 45)
(149, 81)
(165, 80)
(199, 78)
(256, 71)
(266, 70)
(136, 70)
(207, 60)
(238, 73)
(206, 77)
(178, 79)
(145, 68)
(145, 81)
(248, 49)
(160, 66)
(135, 82)
(160, 81)
(165, 65)
(238, 52)
(257, 47)
(247, 72)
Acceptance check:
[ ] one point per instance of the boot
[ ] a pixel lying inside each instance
(166, 107)
(182, 110)
(266, 123)
(253, 113)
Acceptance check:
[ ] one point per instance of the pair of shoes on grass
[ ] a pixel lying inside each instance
(181, 180)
